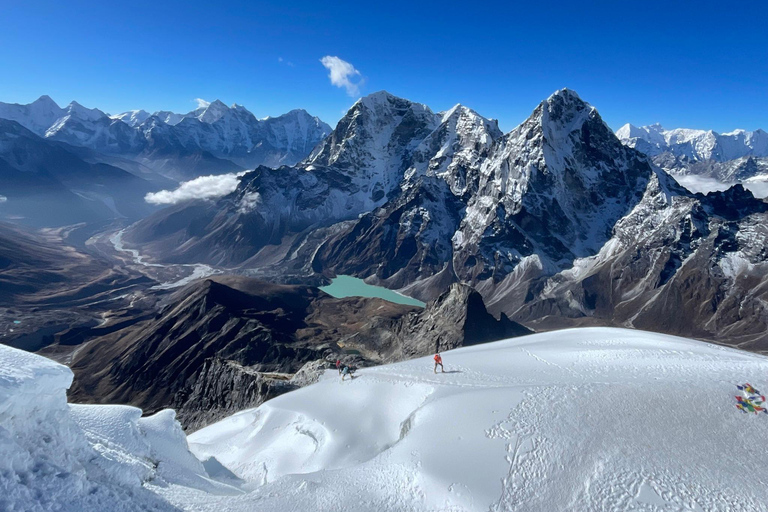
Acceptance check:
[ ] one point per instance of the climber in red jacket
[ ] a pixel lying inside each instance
(439, 361)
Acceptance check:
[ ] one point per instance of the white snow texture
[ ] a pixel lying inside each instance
(55, 456)
(593, 419)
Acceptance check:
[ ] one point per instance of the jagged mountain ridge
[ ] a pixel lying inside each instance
(223, 138)
(705, 160)
(695, 144)
(449, 198)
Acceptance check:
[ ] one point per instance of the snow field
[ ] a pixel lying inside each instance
(591, 419)
(582, 419)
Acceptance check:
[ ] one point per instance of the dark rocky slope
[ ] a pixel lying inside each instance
(50, 289)
(228, 343)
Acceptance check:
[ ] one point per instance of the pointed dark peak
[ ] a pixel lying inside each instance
(382, 100)
(733, 203)
(565, 94)
(565, 107)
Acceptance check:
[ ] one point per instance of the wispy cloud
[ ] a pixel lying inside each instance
(286, 62)
(343, 74)
(204, 187)
(201, 103)
(758, 187)
(3, 199)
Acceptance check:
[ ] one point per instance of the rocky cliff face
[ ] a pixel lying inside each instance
(456, 318)
(552, 189)
(417, 201)
(229, 343)
(679, 263)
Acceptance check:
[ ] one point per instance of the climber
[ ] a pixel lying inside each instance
(439, 361)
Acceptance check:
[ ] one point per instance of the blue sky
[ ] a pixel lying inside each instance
(684, 64)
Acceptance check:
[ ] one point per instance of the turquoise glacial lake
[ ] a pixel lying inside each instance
(348, 286)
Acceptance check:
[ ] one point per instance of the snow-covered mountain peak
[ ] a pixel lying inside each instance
(45, 101)
(241, 109)
(374, 130)
(563, 104)
(695, 145)
(629, 130)
(565, 94)
(463, 118)
(462, 139)
(83, 113)
(36, 116)
(382, 100)
(211, 112)
(132, 118)
(168, 117)
(563, 112)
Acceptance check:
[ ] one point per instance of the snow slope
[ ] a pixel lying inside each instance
(54, 456)
(582, 419)
(594, 419)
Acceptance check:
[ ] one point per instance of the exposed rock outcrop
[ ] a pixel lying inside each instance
(228, 343)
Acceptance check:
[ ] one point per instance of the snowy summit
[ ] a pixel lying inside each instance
(594, 419)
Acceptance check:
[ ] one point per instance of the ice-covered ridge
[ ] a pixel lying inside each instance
(695, 144)
(132, 118)
(84, 457)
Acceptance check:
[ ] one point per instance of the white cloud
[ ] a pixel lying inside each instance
(3, 199)
(286, 62)
(758, 187)
(249, 202)
(201, 103)
(204, 187)
(701, 183)
(342, 74)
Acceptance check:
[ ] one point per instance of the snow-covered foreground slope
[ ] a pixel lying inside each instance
(582, 419)
(592, 419)
(55, 456)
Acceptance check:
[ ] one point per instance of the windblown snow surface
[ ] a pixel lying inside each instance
(591, 419)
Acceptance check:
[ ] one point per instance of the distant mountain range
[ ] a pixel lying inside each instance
(224, 138)
(704, 159)
(50, 183)
(142, 151)
(555, 223)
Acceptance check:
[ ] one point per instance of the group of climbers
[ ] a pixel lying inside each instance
(345, 369)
